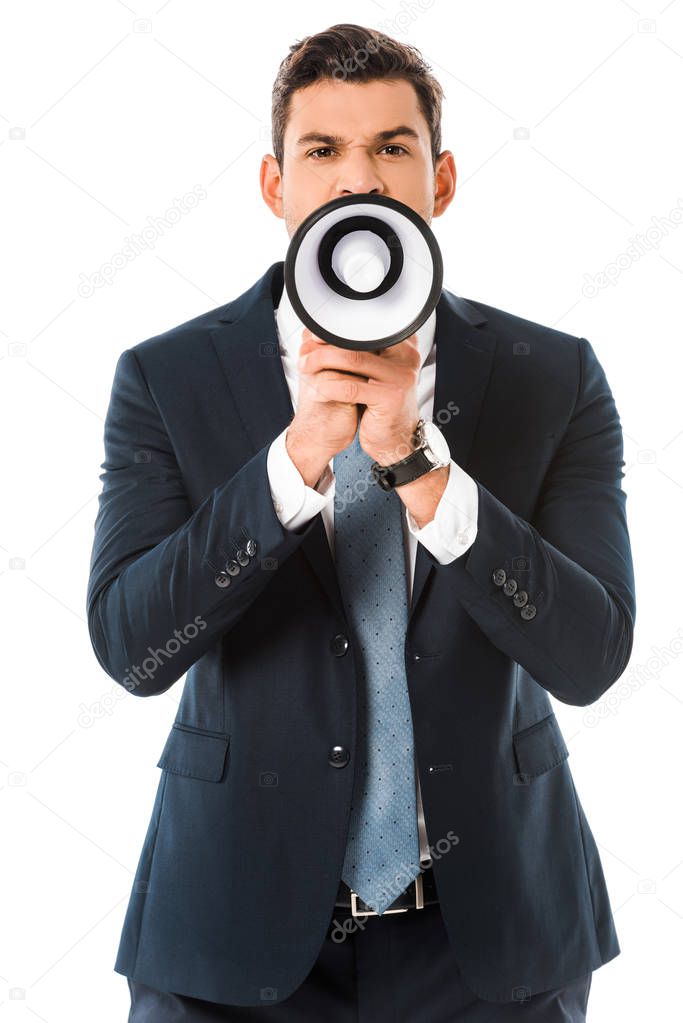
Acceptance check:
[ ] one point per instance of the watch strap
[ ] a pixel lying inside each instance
(416, 464)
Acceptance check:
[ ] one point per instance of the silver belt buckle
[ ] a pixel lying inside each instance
(419, 902)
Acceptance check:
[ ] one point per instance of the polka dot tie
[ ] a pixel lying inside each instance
(382, 854)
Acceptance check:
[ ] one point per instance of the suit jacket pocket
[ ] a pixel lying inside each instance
(195, 754)
(539, 747)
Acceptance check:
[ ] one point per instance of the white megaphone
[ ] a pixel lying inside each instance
(363, 271)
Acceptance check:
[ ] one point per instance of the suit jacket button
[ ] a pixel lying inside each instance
(339, 645)
(232, 568)
(510, 587)
(520, 598)
(339, 756)
(222, 579)
(242, 557)
(528, 612)
(499, 576)
(251, 548)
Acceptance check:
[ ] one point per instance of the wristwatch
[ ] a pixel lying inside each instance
(432, 452)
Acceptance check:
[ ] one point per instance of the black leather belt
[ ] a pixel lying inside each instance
(420, 893)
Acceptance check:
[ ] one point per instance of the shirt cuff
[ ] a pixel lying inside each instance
(294, 501)
(453, 529)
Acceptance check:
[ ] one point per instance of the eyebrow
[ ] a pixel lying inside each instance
(337, 140)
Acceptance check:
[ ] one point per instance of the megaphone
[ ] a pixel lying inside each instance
(363, 271)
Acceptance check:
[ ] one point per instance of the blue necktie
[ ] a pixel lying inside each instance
(382, 854)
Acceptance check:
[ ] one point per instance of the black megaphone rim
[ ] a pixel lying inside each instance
(363, 198)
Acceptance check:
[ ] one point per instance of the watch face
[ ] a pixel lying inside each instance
(437, 442)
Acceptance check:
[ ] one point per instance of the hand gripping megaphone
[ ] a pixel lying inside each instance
(363, 271)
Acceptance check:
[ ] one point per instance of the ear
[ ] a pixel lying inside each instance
(444, 182)
(271, 184)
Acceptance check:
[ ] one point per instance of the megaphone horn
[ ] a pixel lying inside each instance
(363, 271)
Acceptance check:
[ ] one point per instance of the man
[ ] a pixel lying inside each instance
(365, 809)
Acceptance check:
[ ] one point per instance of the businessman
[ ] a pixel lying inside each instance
(365, 809)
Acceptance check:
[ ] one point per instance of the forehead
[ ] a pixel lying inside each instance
(354, 108)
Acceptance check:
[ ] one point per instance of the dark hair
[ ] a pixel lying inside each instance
(351, 52)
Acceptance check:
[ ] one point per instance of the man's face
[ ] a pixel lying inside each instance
(332, 148)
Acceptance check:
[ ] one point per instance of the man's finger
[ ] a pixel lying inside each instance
(397, 350)
(309, 341)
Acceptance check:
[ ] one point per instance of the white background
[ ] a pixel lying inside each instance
(565, 125)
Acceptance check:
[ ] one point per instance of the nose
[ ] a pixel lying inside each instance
(359, 188)
(358, 175)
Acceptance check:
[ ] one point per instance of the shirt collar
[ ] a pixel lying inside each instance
(289, 328)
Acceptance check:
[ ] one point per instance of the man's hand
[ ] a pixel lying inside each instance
(384, 382)
(326, 420)
(333, 383)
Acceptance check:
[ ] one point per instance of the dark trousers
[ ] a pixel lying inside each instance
(399, 968)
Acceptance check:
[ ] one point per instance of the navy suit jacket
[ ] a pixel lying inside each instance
(192, 569)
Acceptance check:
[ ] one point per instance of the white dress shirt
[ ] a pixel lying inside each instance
(451, 532)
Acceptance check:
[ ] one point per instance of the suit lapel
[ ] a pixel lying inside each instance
(246, 343)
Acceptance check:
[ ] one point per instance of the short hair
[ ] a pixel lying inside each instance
(353, 53)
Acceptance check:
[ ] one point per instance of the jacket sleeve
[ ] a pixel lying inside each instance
(573, 560)
(158, 595)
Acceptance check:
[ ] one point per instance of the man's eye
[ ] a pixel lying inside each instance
(328, 149)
